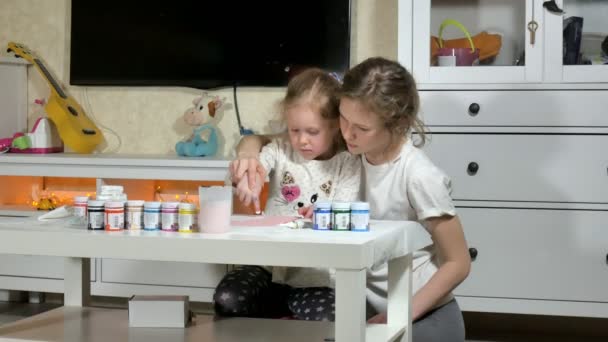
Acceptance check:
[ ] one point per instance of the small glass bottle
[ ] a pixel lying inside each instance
(359, 216)
(80, 210)
(340, 215)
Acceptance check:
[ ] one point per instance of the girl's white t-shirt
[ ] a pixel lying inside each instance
(412, 188)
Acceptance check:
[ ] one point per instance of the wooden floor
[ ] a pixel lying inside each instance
(480, 327)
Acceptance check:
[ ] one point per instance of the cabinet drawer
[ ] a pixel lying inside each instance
(161, 273)
(35, 266)
(537, 254)
(515, 108)
(519, 167)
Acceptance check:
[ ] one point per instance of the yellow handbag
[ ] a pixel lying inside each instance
(488, 44)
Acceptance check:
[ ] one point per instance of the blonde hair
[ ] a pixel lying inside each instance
(389, 90)
(315, 88)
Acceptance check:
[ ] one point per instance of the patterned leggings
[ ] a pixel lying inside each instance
(248, 291)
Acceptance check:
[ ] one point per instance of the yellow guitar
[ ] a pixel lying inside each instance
(76, 130)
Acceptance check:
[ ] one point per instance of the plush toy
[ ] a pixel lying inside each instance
(203, 117)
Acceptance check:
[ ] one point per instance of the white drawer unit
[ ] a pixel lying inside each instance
(34, 266)
(161, 273)
(537, 254)
(524, 167)
(540, 108)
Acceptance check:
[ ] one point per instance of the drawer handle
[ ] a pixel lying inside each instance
(472, 168)
(473, 253)
(474, 109)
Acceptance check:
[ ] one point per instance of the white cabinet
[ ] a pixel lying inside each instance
(111, 277)
(524, 146)
(520, 60)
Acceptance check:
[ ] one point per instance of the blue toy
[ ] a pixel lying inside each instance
(204, 140)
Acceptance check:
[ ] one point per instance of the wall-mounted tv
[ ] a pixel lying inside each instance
(205, 44)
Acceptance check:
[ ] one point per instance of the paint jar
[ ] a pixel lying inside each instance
(134, 215)
(152, 215)
(169, 216)
(80, 210)
(95, 215)
(340, 215)
(188, 217)
(115, 215)
(359, 216)
(322, 216)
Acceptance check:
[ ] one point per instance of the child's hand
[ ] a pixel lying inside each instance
(378, 319)
(248, 194)
(306, 212)
(249, 167)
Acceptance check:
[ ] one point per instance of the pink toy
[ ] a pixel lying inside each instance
(43, 138)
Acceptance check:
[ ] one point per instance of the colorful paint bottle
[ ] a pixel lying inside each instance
(151, 215)
(169, 216)
(359, 216)
(95, 215)
(115, 215)
(134, 215)
(340, 215)
(188, 217)
(322, 216)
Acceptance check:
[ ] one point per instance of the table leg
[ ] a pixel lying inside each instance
(399, 309)
(350, 305)
(77, 281)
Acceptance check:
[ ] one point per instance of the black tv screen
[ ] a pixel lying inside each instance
(205, 44)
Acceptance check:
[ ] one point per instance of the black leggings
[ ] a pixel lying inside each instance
(248, 291)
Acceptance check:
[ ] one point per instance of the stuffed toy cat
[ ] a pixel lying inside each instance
(203, 118)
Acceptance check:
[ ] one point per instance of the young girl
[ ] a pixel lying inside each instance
(306, 165)
(379, 110)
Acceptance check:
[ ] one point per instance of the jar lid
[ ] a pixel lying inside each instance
(340, 205)
(95, 203)
(170, 205)
(81, 199)
(112, 189)
(152, 205)
(359, 206)
(187, 206)
(322, 205)
(115, 204)
(135, 203)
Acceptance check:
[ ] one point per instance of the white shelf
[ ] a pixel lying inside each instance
(121, 166)
(99, 324)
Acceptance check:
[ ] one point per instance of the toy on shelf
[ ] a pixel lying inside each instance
(43, 138)
(203, 117)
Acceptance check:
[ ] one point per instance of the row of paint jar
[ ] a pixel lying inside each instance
(135, 215)
(341, 216)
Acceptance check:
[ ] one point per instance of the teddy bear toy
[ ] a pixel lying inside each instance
(204, 140)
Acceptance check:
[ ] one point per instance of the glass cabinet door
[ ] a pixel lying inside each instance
(577, 42)
(506, 51)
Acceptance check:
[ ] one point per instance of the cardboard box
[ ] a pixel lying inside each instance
(159, 311)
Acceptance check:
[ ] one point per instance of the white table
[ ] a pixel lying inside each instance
(349, 253)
